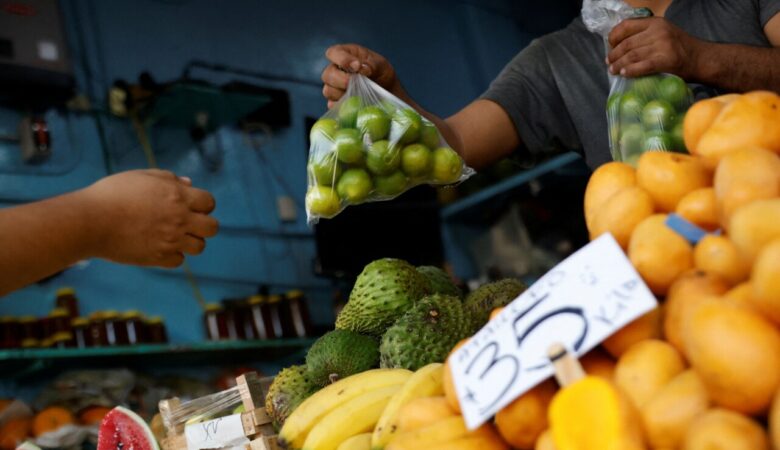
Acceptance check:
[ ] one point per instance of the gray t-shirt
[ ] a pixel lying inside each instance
(556, 89)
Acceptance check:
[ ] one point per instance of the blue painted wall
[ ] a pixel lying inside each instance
(446, 53)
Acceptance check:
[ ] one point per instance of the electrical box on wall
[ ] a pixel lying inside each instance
(35, 69)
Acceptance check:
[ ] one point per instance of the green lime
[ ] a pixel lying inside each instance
(614, 134)
(416, 160)
(678, 141)
(327, 170)
(658, 140)
(348, 111)
(631, 105)
(631, 139)
(325, 127)
(658, 115)
(392, 184)
(613, 106)
(348, 145)
(382, 158)
(429, 135)
(405, 127)
(388, 106)
(354, 185)
(447, 165)
(646, 87)
(374, 121)
(674, 90)
(322, 201)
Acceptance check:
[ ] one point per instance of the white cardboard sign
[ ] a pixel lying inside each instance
(579, 303)
(222, 432)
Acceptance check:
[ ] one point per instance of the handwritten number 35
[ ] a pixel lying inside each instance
(510, 362)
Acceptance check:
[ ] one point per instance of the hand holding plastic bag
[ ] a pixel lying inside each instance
(371, 146)
(645, 113)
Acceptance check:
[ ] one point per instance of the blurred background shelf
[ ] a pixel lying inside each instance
(19, 363)
(456, 209)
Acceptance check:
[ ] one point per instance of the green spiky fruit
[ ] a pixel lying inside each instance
(290, 388)
(425, 333)
(383, 291)
(490, 296)
(438, 281)
(341, 353)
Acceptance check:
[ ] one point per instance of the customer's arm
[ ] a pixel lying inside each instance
(143, 217)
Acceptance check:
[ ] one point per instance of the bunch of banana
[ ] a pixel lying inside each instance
(339, 411)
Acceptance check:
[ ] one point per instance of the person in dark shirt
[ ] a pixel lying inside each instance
(553, 93)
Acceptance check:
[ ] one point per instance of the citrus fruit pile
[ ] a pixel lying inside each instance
(646, 113)
(369, 149)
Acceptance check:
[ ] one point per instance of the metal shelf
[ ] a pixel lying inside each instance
(18, 362)
(459, 207)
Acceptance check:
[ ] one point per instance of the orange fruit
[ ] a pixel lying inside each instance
(496, 312)
(93, 415)
(50, 419)
(621, 213)
(718, 255)
(646, 326)
(597, 362)
(13, 433)
(668, 177)
(744, 176)
(700, 208)
(605, 182)
(658, 253)
(521, 422)
(449, 385)
(699, 118)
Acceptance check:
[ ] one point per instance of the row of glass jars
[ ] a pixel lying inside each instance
(100, 329)
(259, 317)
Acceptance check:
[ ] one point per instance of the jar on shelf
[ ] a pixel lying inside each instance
(299, 311)
(58, 321)
(281, 317)
(63, 339)
(66, 298)
(215, 321)
(261, 317)
(80, 329)
(155, 330)
(234, 318)
(97, 330)
(134, 327)
(116, 331)
(29, 331)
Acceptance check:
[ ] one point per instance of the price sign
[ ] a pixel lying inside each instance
(223, 432)
(579, 303)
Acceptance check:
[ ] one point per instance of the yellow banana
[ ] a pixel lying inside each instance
(358, 442)
(356, 416)
(314, 408)
(439, 433)
(426, 382)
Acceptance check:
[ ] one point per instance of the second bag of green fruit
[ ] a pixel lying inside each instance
(371, 146)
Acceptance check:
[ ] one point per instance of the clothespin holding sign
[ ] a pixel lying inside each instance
(567, 368)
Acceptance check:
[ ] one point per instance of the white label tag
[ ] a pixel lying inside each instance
(579, 303)
(217, 433)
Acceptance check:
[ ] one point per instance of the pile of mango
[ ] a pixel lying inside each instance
(702, 371)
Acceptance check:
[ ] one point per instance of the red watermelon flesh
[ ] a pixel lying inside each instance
(122, 429)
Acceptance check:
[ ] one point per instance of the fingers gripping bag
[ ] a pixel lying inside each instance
(370, 146)
(644, 113)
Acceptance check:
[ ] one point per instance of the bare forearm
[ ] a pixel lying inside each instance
(738, 68)
(41, 238)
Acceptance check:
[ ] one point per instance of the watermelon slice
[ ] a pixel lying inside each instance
(124, 429)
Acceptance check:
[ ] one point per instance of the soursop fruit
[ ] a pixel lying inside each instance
(438, 281)
(490, 296)
(383, 291)
(425, 334)
(290, 388)
(341, 353)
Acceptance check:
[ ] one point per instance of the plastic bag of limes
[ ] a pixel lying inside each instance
(646, 113)
(370, 146)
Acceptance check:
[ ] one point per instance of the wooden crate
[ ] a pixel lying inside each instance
(256, 423)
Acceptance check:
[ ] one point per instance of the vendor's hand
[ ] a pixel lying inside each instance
(353, 58)
(652, 45)
(149, 217)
